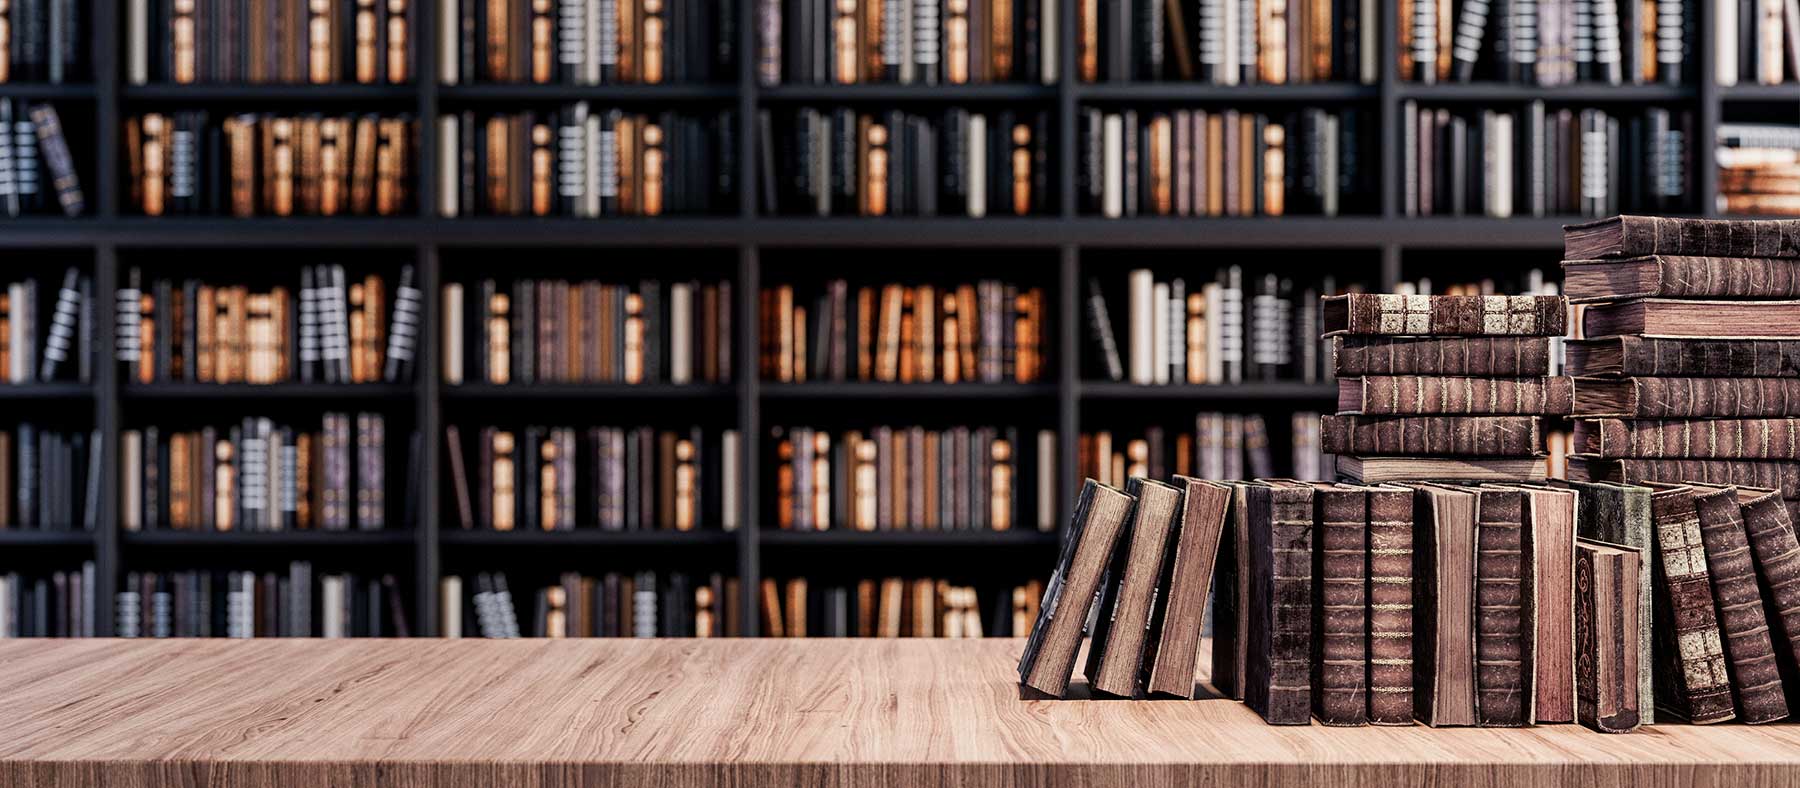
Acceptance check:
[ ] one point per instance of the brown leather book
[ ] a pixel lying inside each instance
(398, 42)
(1474, 436)
(1678, 276)
(1444, 637)
(1231, 601)
(1173, 641)
(656, 47)
(1480, 356)
(1548, 583)
(543, 41)
(362, 166)
(498, 51)
(875, 168)
(1725, 439)
(654, 175)
(1340, 647)
(1279, 653)
(1770, 528)
(1087, 52)
(1692, 676)
(1274, 168)
(794, 608)
(865, 608)
(503, 514)
(1385, 314)
(1379, 395)
(1021, 169)
(1000, 43)
(1777, 474)
(1087, 549)
(1504, 665)
(1658, 397)
(1636, 236)
(183, 34)
(1755, 676)
(1161, 166)
(1670, 357)
(628, 30)
(1606, 618)
(1685, 318)
(959, 43)
(1390, 608)
(1125, 601)
(772, 625)
(543, 176)
(626, 132)
(1620, 513)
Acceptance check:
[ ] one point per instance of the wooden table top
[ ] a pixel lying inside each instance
(746, 712)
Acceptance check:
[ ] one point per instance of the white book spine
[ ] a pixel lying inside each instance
(331, 614)
(681, 330)
(449, 33)
(1046, 480)
(1142, 289)
(1725, 43)
(1050, 55)
(18, 340)
(453, 334)
(1368, 66)
(1501, 170)
(450, 602)
(591, 192)
(729, 471)
(590, 64)
(1228, 42)
(1158, 339)
(137, 29)
(449, 176)
(1215, 346)
(977, 147)
(1112, 167)
(131, 505)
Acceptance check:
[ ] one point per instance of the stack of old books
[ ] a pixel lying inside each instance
(1443, 387)
(1688, 372)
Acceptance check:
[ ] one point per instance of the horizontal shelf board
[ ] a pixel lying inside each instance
(68, 91)
(1205, 91)
(46, 390)
(252, 93)
(18, 537)
(996, 91)
(288, 538)
(534, 537)
(559, 391)
(602, 93)
(842, 537)
(1789, 92)
(1281, 390)
(1502, 91)
(346, 391)
(947, 391)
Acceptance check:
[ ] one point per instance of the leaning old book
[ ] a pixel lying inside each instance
(1606, 616)
(1692, 680)
(1675, 276)
(1444, 605)
(1431, 436)
(1407, 395)
(1755, 676)
(1116, 650)
(1782, 475)
(1049, 657)
(1354, 356)
(1389, 314)
(1172, 649)
(1660, 398)
(1777, 552)
(1277, 681)
(1231, 599)
(1636, 236)
(1684, 318)
(1698, 439)
(1620, 514)
(1548, 602)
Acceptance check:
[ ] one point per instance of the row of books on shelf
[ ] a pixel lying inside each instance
(1221, 445)
(1211, 333)
(985, 332)
(269, 41)
(58, 604)
(1569, 162)
(265, 164)
(580, 161)
(587, 42)
(44, 40)
(38, 350)
(1759, 167)
(955, 162)
(341, 330)
(1227, 42)
(37, 173)
(1545, 42)
(616, 479)
(49, 479)
(926, 42)
(1757, 42)
(1225, 163)
(911, 478)
(561, 331)
(259, 475)
(642, 604)
(250, 604)
(895, 607)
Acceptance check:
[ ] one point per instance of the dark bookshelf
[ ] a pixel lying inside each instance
(1376, 246)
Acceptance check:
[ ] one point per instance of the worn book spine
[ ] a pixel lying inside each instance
(1278, 684)
(1732, 439)
(1755, 677)
(1379, 395)
(1780, 475)
(1670, 357)
(1637, 236)
(1340, 612)
(1605, 700)
(1502, 649)
(1428, 436)
(1390, 612)
(1692, 680)
(1772, 542)
(1620, 513)
(1387, 314)
(1478, 356)
(1231, 614)
(1684, 276)
(1675, 397)
(1094, 529)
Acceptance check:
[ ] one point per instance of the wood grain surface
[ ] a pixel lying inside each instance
(749, 712)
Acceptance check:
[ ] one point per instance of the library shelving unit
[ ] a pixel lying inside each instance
(1375, 245)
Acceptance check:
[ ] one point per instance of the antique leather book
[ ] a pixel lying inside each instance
(1692, 680)
(1548, 573)
(1749, 644)
(1693, 318)
(1173, 643)
(1700, 439)
(1094, 530)
(1277, 680)
(1386, 314)
(1340, 661)
(1670, 357)
(1771, 532)
(1504, 666)
(1390, 609)
(1431, 436)
(1231, 599)
(1379, 395)
(1115, 653)
(1369, 470)
(1620, 514)
(1481, 356)
(1778, 474)
(1675, 276)
(1607, 698)
(1444, 550)
(1673, 397)
(1636, 236)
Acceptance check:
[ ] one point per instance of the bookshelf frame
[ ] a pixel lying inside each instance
(111, 236)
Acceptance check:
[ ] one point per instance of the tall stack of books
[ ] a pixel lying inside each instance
(1443, 387)
(1759, 168)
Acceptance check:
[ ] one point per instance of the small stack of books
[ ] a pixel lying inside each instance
(1443, 387)
(1759, 167)
(893, 607)
(644, 604)
(249, 604)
